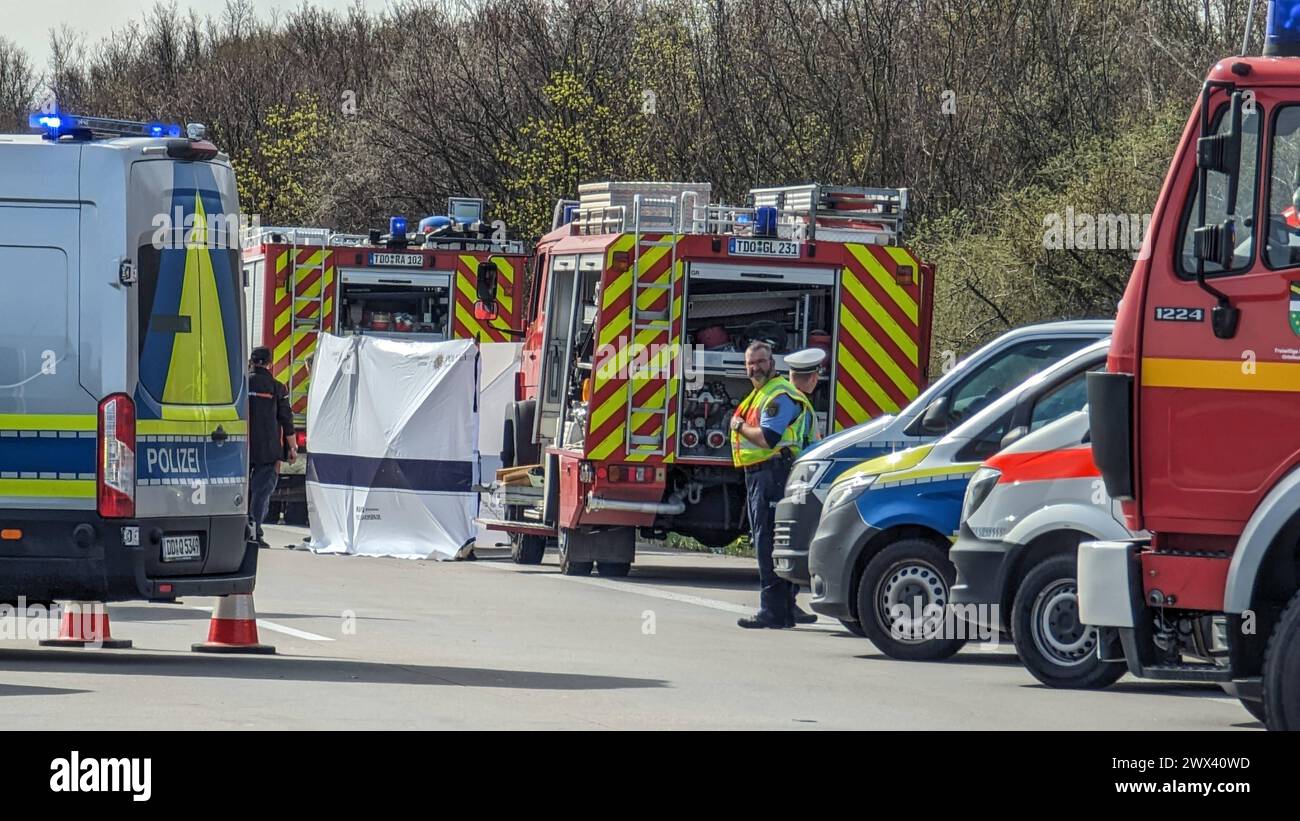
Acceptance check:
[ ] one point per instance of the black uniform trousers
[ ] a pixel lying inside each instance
(764, 487)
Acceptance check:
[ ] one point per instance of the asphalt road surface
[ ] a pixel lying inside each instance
(396, 644)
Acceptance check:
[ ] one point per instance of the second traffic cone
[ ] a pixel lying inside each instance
(233, 628)
(85, 624)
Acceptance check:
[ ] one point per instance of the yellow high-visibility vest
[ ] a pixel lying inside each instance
(745, 452)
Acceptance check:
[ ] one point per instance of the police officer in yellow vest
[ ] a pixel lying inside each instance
(805, 369)
(767, 432)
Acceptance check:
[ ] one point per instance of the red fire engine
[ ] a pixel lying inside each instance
(644, 298)
(414, 286)
(1195, 425)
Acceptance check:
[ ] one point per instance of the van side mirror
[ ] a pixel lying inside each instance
(1014, 435)
(1216, 243)
(935, 418)
(1222, 152)
(486, 287)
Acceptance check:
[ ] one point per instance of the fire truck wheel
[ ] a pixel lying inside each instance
(508, 443)
(1282, 671)
(295, 513)
(908, 572)
(1255, 708)
(527, 549)
(571, 568)
(614, 569)
(526, 451)
(854, 627)
(1057, 648)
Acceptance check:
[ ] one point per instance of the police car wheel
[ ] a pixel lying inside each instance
(854, 627)
(527, 549)
(908, 572)
(1057, 648)
(1282, 671)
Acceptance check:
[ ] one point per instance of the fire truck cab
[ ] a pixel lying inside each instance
(645, 296)
(1195, 425)
(407, 285)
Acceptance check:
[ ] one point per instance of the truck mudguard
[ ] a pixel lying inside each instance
(1279, 506)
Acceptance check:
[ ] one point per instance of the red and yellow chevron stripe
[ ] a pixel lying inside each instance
(880, 365)
(304, 285)
(309, 274)
(464, 325)
(640, 372)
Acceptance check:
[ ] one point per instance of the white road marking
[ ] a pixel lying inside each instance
(660, 593)
(657, 593)
(278, 628)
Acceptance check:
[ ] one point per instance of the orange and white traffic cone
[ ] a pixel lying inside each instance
(233, 628)
(85, 624)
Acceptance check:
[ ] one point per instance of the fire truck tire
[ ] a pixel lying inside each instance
(508, 443)
(897, 576)
(1282, 671)
(1053, 644)
(1255, 708)
(613, 569)
(567, 566)
(527, 549)
(526, 451)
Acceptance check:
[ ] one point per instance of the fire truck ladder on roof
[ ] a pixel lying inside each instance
(319, 243)
(657, 215)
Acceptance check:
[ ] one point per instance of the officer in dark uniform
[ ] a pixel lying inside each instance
(270, 437)
(805, 369)
(767, 432)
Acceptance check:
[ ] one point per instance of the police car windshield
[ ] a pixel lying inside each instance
(990, 417)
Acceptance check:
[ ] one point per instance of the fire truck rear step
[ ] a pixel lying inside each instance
(517, 527)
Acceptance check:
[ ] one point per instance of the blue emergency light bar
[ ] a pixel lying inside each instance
(397, 226)
(60, 124)
(1282, 37)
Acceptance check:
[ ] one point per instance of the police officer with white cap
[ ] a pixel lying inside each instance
(805, 369)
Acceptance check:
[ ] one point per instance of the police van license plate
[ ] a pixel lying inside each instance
(181, 548)
(741, 247)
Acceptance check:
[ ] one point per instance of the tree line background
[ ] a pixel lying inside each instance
(996, 114)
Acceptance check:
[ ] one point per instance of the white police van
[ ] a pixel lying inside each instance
(123, 397)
